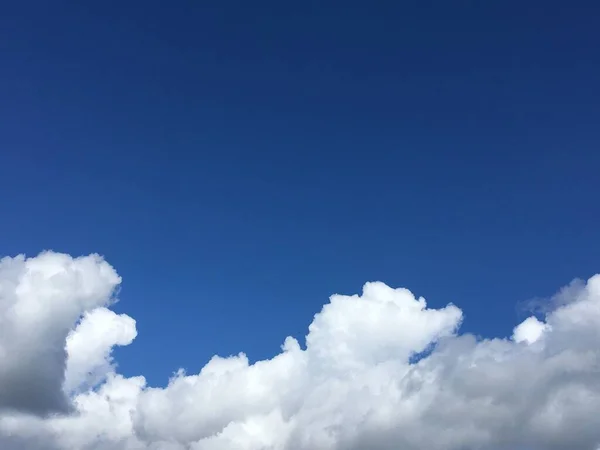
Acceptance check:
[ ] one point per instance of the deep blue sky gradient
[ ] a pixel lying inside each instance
(240, 162)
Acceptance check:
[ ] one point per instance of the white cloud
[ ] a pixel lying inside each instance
(89, 347)
(353, 387)
(529, 331)
(41, 300)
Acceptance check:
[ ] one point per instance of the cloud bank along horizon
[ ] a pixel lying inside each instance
(356, 385)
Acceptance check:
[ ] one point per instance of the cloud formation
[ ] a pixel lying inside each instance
(41, 299)
(356, 385)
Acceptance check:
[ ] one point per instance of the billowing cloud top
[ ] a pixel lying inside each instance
(379, 371)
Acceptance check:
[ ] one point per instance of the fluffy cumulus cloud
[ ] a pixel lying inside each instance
(378, 371)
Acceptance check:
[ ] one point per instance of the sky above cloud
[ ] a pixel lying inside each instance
(353, 384)
(239, 163)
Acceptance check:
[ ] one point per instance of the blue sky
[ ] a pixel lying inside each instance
(239, 163)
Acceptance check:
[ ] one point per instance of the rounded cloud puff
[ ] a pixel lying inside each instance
(379, 371)
(41, 300)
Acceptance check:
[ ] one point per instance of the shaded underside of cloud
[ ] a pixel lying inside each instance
(356, 384)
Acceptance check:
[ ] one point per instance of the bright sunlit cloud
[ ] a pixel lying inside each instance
(353, 387)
